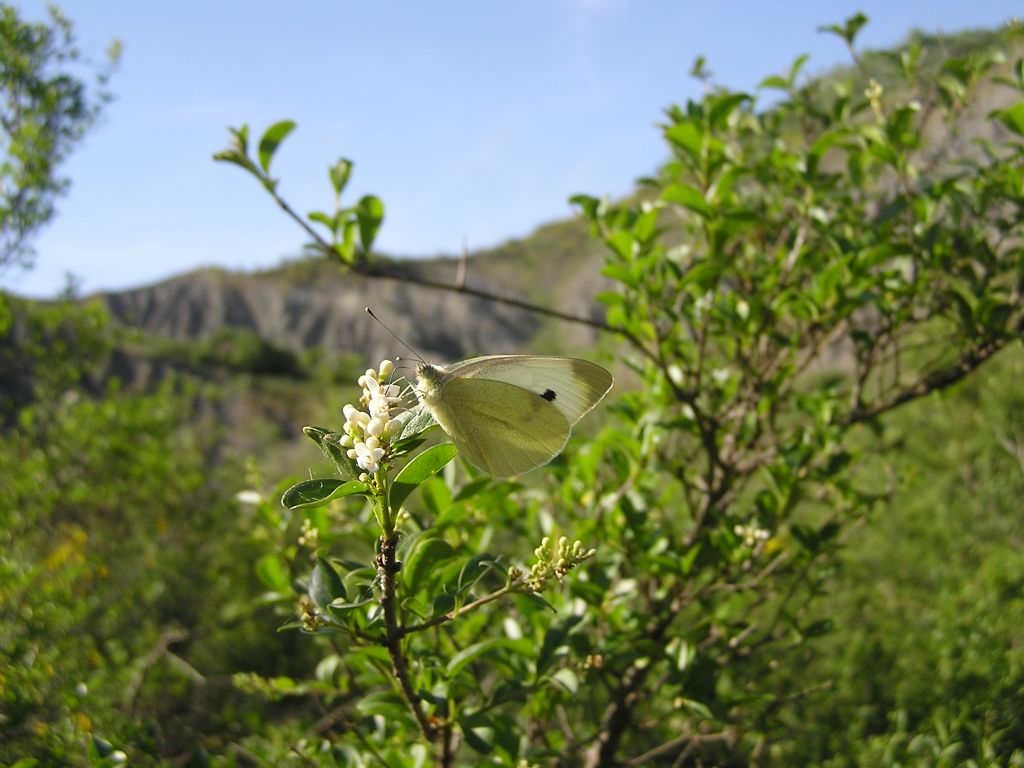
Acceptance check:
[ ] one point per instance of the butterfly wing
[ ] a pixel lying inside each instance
(500, 427)
(573, 386)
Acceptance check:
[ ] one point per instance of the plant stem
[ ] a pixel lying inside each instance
(455, 613)
(387, 569)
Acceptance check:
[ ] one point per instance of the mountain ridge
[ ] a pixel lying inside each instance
(307, 304)
(313, 303)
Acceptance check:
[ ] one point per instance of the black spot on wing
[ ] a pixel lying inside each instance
(549, 395)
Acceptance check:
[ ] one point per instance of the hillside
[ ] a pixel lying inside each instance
(312, 303)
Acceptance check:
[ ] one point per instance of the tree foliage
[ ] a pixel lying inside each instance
(47, 107)
(789, 277)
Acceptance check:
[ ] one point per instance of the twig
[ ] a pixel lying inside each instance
(687, 741)
(243, 755)
(158, 651)
(1012, 447)
(369, 270)
(456, 612)
(337, 717)
(751, 583)
(303, 756)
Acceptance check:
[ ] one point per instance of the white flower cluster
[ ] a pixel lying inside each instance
(751, 535)
(367, 433)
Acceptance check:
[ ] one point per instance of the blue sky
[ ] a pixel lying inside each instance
(473, 120)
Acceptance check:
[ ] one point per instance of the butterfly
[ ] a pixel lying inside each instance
(508, 414)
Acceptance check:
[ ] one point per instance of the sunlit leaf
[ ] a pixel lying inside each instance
(339, 174)
(370, 214)
(317, 493)
(271, 140)
(419, 469)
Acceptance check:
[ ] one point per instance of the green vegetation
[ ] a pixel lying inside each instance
(803, 494)
(45, 111)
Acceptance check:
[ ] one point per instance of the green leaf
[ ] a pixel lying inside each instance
(909, 60)
(686, 561)
(688, 197)
(697, 708)
(101, 747)
(824, 143)
(687, 136)
(623, 243)
(590, 207)
(370, 214)
(443, 603)
(339, 173)
(328, 442)
(472, 488)
(419, 469)
(473, 570)
(703, 273)
(555, 638)
(436, 495)
(322, 218)
(346, 245)
(325, 585)
(849, 30)
(271, 140)
(273, 572)
(723, 106)
(317, 493)
(1013, 117)
(240, 137)
(621, 273)
(414, 422)
(388, 704)
(428, 554)
(238, 149)
(778, 82)
(233, 156)
(568, 679)
(610, 298)
(471, 653)
(478, 731)
(796, 66)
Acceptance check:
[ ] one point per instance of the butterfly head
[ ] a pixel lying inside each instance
(428, 380)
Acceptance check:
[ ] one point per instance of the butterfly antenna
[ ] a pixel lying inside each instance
(394, 335)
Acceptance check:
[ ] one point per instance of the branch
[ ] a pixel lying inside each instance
(931, 382)
(619, 714)
(688, 742)
(387, 569)
(459, 286)
(456, 612)
(158, 651)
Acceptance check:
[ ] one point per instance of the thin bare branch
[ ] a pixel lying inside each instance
(931, 382)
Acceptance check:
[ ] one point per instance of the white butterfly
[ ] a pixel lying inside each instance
(508, 414)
